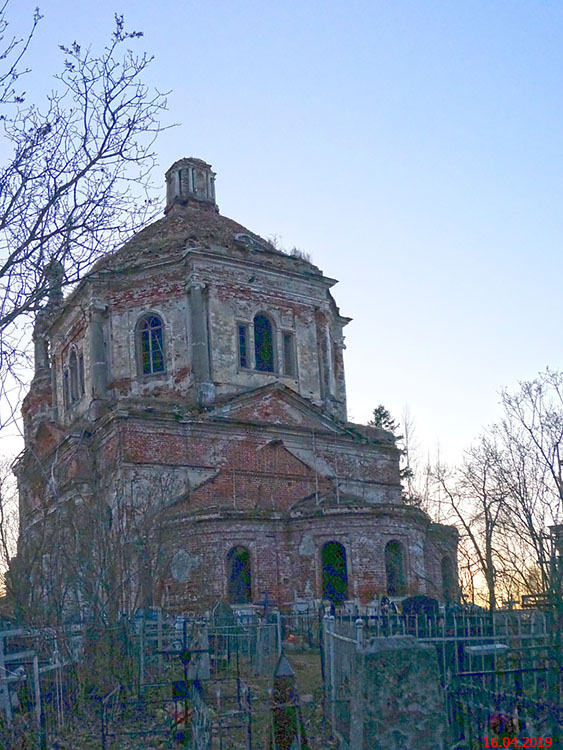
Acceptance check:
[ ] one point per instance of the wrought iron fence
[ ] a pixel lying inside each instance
(499, 673)
(38, 682)
(133, 671)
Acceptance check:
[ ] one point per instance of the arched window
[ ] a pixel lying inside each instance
(73, 374)
(335, 572)
(151, 345)
(394, 568)
(263, 343)
(239, 583)
(449, 583)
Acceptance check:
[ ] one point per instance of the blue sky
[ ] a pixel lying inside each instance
(412, 147)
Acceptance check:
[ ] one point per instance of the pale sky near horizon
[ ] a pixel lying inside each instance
(413, 148)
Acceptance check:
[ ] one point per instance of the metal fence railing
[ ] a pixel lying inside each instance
(499, 673)
(128, 673)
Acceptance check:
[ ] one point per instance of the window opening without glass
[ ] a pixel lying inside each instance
(239, 585)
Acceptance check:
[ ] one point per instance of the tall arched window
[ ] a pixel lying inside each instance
(263, 343)
(335, 572)
(239, 584)
(394, 568)
(150, 342)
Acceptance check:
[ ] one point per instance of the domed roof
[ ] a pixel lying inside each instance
(184, 226)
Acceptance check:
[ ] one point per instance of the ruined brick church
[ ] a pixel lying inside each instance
(195, 377)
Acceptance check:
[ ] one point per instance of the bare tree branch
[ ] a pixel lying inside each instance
(78, 183)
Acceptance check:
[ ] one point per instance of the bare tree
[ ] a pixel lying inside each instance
(476, 502)
(509, 491)
(531, 434)
(96, 547)
(12, 53)
(77, 184)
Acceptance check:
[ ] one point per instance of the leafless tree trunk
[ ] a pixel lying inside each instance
(96, 551)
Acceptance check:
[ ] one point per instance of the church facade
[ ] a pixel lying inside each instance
(189, 405)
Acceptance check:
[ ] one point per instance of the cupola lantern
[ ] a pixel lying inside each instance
(190, 180)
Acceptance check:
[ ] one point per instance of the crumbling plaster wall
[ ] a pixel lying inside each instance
(163, 293)
(205, 542)
(292, 301)
(236, 483)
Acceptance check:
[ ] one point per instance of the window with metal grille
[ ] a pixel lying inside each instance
(335, 572)
(151, 345)
(263, 343)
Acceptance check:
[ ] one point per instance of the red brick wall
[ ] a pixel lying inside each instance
(286, 557)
